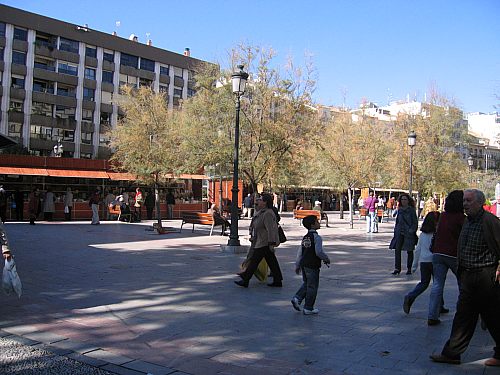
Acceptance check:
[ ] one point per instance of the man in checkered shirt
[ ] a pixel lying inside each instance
(478, 279)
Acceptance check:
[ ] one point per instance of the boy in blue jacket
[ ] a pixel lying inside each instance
(309, 257)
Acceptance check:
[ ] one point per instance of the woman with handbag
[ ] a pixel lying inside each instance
(264, 239)
(405, 233)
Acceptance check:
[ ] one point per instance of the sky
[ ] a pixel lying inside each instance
(376, 50)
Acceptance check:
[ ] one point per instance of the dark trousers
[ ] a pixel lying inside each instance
(425, 279)
(67, 215)
(397, 256)
(20, 211)
(253, 263)
(309, 288)
(479, 294)
(149, 212)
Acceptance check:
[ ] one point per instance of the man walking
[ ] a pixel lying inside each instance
(371, 217)
(478, 274)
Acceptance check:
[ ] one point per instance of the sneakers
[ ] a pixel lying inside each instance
(310, 312)
(295, 303)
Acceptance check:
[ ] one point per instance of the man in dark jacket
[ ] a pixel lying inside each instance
(478, 274)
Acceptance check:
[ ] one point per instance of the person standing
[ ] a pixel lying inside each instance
(405, 233)
(3, 205)
(308, 262)
(49, 205)
(109, 198)
(264, 239)
(170, 200)
(68, 204)
(478, 274)
(248, 206)
(322, 215)
(445, 251)
(370, 204)
(94, 201)
(149, 202)
(34, 205)
(139, 200)
(19, 200)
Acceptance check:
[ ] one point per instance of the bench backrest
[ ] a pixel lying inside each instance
(300, 214)
(197, 217)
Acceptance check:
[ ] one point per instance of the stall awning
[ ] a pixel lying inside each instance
(24, 171)
(77, 173)
(119, 176)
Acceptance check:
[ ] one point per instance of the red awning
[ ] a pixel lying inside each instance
(119, 176)
(77, 173)
(24, 171)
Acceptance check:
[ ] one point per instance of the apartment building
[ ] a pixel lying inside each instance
(58, 80)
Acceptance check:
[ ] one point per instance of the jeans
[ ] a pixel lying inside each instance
(440, 266)
(425, 279)
(371, 222)
(309, 288)
(479, 294)
(95, 214)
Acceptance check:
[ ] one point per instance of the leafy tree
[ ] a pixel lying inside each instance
(276, 120)
(146, 140)
(351, 153)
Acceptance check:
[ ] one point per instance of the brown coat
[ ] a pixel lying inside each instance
(264, 229)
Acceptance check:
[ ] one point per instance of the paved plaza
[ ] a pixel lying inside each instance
(124, 299)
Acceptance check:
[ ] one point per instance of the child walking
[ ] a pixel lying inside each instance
(423, 255)
(309, 257)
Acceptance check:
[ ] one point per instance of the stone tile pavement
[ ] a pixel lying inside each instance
(129, 301)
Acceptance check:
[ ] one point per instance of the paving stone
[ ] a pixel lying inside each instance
(148, 367)
(23, 340)
(88, 360)
(46, 337)
(109, 357)
(21, 329)
(79, 347)
(121, 370)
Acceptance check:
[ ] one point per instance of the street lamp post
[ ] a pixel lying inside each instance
(58, 149)
(486, 159)
(239, 80)
(412, 140)
(470, 162)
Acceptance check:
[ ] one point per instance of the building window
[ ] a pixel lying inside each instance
(129, 60)
(69, 135)
(68, 45)
(87, 138)
(40, 132)
(164, 70)
(19, 57)
(177, 93)
(105, 118)
(44, 109)
(190, 92)
(2, 29)
(163, 89)
(45, 40)
(66, 90)
(85, 155)
(17, 81)
(143, 82)
(1, 53)
(91, 52)
(45, 64)
(20, 34)
(88, 115)
(67, 68)
(15, 105)
(15, 129)
(90, 73)
(147, 64)
(177, 72)
(88, 94)
(108, 56)
(107, 76)
(43, 86)
(65, 112)
(128, 80)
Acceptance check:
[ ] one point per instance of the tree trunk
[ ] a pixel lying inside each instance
(341, 204)
(157, 203)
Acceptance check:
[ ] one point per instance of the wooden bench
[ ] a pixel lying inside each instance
(115, 210)
(300, 214)
(198, 218)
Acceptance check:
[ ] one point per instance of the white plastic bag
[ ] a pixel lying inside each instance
(11, 282)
